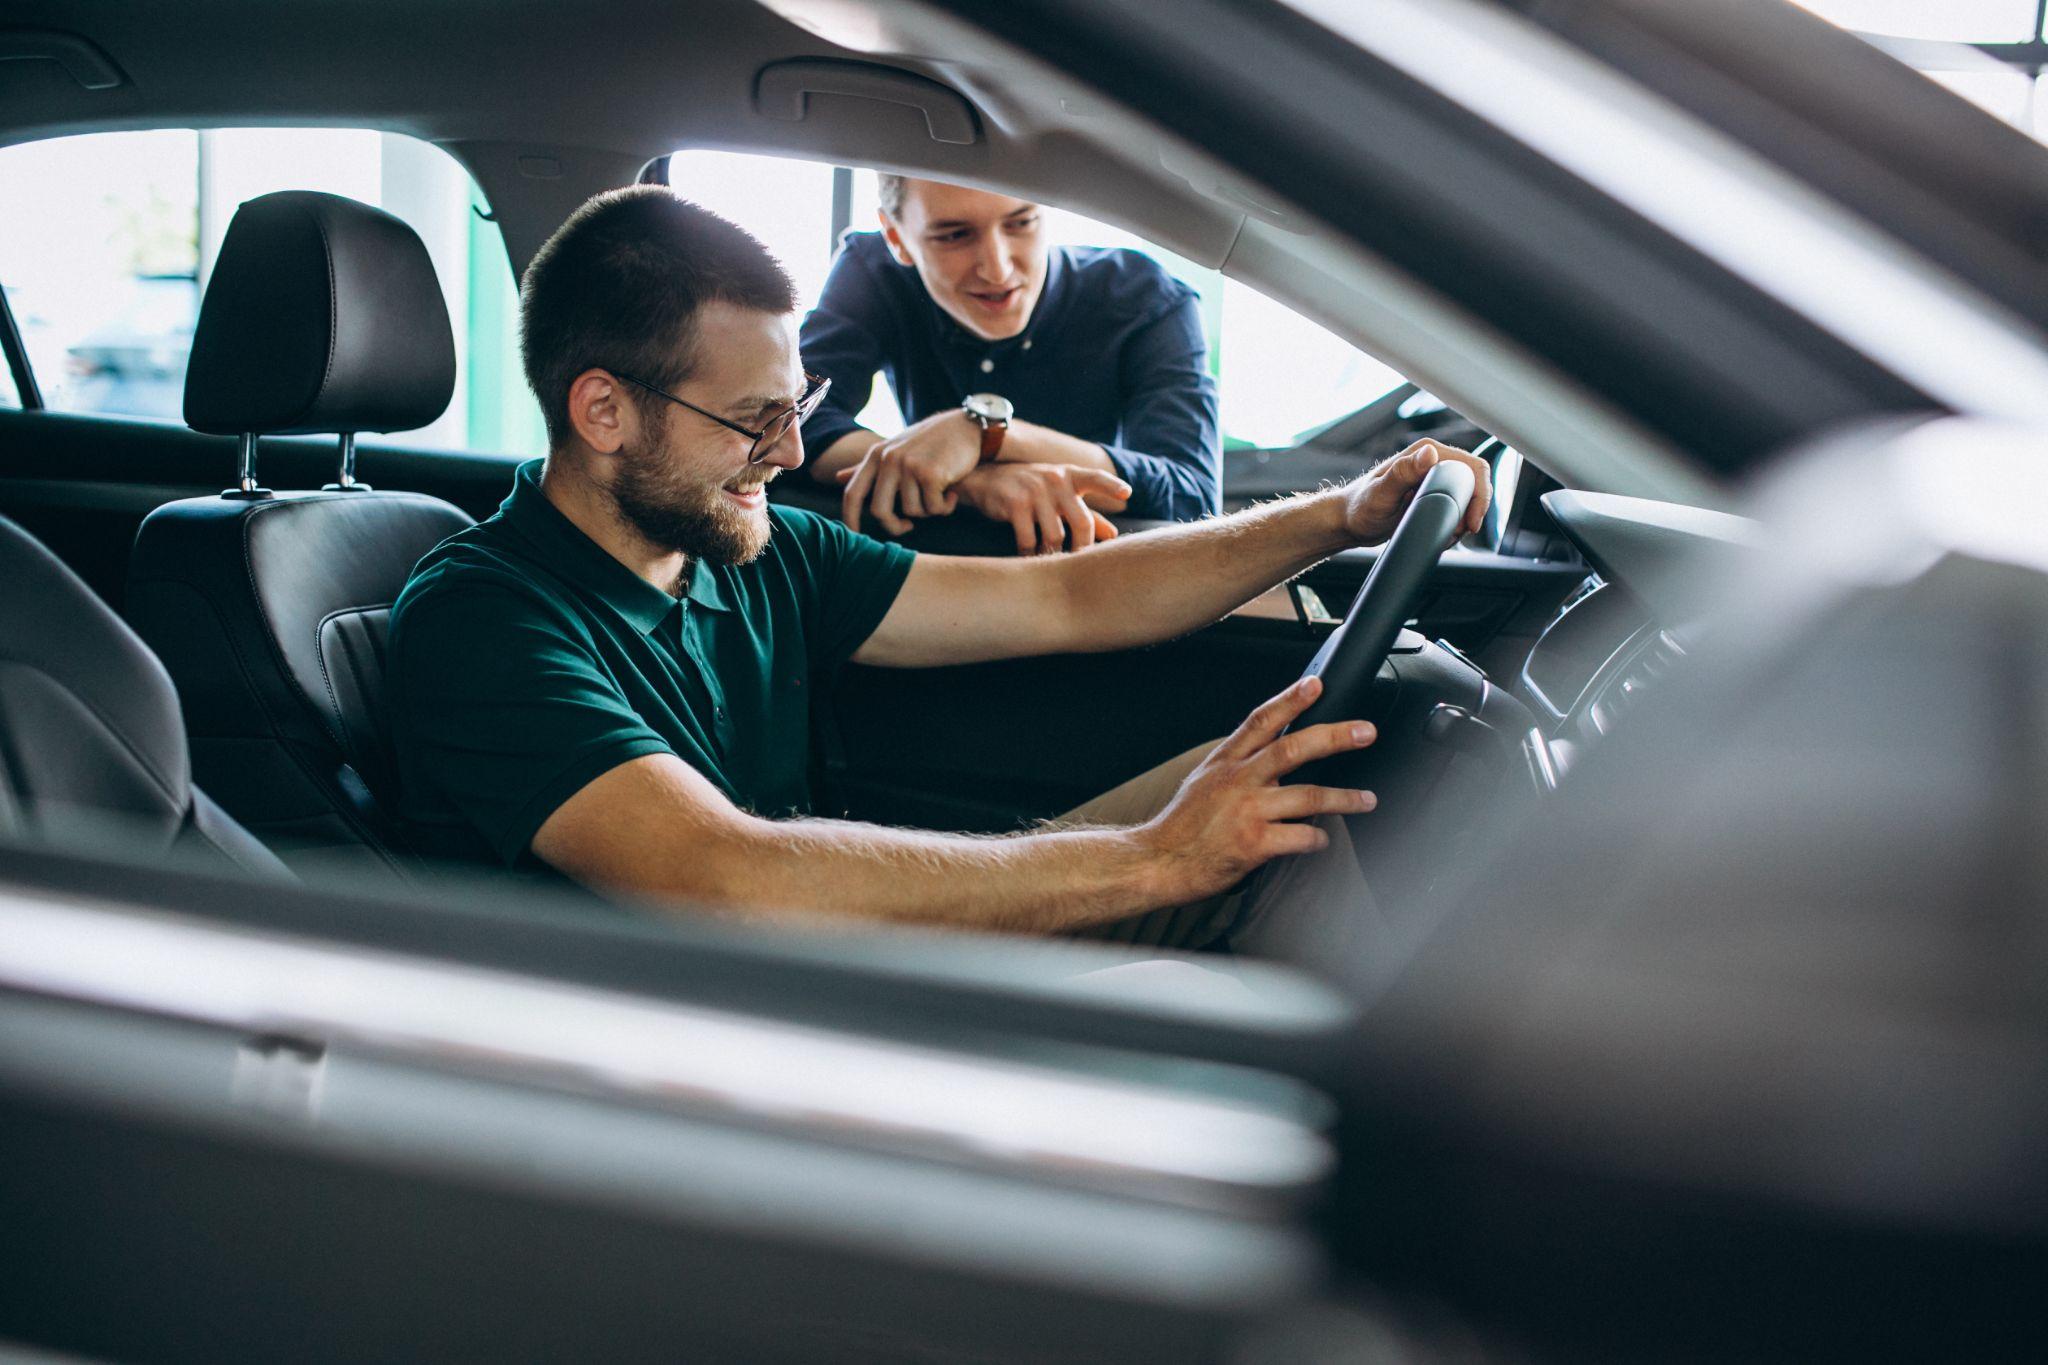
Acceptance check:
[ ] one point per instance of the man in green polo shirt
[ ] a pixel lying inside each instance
(612, 676)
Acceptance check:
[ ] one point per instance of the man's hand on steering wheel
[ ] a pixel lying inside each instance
(1383, 506)
(1374, 503)
(1236, 812)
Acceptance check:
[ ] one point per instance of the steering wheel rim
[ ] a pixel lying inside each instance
(1351, 658)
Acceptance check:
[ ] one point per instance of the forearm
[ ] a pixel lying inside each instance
(1030, 443)
(1038, 883)
(843, 453)
(1187, 576)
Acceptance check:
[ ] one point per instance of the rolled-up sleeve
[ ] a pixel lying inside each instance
(839, 342)
(1170, 442)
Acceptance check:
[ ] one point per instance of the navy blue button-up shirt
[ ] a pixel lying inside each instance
(1113, 354)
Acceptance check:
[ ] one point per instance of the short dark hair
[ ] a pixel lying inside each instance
(618, 287)
(889, 193)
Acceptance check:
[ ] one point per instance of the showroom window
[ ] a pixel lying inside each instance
(107, 240)
(1279, 375)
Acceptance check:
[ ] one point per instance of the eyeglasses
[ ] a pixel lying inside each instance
(777, 426)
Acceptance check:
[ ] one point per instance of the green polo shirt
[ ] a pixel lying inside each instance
(526, 661)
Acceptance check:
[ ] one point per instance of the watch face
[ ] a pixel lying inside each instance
(989, 407)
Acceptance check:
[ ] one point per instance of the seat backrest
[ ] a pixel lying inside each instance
(272, 616)
(271, 610)
(90, 738)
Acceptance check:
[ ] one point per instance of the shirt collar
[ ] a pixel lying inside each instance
(590, 566)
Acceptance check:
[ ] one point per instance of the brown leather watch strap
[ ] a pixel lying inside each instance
(992, 434)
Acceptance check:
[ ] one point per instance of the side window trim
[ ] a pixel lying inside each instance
(25, 389)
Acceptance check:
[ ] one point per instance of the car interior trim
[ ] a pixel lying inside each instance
(1711, 192)
(1364, 298)
(1174, 1145)
(783, 90)
(26, 389)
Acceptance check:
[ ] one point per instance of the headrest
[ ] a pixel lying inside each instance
(322, 315)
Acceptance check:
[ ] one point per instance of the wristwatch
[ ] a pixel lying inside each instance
(991, 412)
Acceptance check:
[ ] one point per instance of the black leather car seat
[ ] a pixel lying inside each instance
(91, 745)
(271, 610)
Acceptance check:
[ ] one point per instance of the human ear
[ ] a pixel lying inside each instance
(893, 235)
(598, 411)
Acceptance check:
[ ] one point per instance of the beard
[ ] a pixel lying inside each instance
(675, 512)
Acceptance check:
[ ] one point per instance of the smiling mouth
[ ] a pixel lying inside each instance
(998, 300)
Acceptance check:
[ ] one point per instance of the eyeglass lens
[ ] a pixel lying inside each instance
(778, 427)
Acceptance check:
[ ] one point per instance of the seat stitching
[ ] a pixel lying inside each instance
(269, 627)
(270, 631)
(334, 699)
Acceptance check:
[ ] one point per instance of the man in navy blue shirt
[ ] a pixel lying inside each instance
(1041, 386)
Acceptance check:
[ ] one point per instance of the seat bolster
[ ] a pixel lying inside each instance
(89, 714)
(92, 747)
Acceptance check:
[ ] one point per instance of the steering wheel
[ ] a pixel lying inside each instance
(1351, 658)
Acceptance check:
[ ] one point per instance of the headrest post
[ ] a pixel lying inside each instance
(245, 482)
(345, 478)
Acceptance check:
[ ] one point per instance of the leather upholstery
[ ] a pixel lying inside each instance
(322, 314)
(272, 615)
(91, 744)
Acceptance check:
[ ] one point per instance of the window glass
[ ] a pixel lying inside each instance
(107, 241)
(788, 206)
(1963, 21)
(1278, 375)
(2007, 93)
(99, 255)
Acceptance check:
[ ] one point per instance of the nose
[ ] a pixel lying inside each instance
(992, 262)
(788, 450)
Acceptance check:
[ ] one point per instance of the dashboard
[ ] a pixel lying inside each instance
(1628, 626)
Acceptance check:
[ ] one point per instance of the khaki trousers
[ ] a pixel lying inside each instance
(1299, 909)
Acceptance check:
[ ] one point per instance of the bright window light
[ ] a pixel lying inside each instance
(1961, 21)
(786, 204)
(107, 241)
(2007, 94)
(1278, 374)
